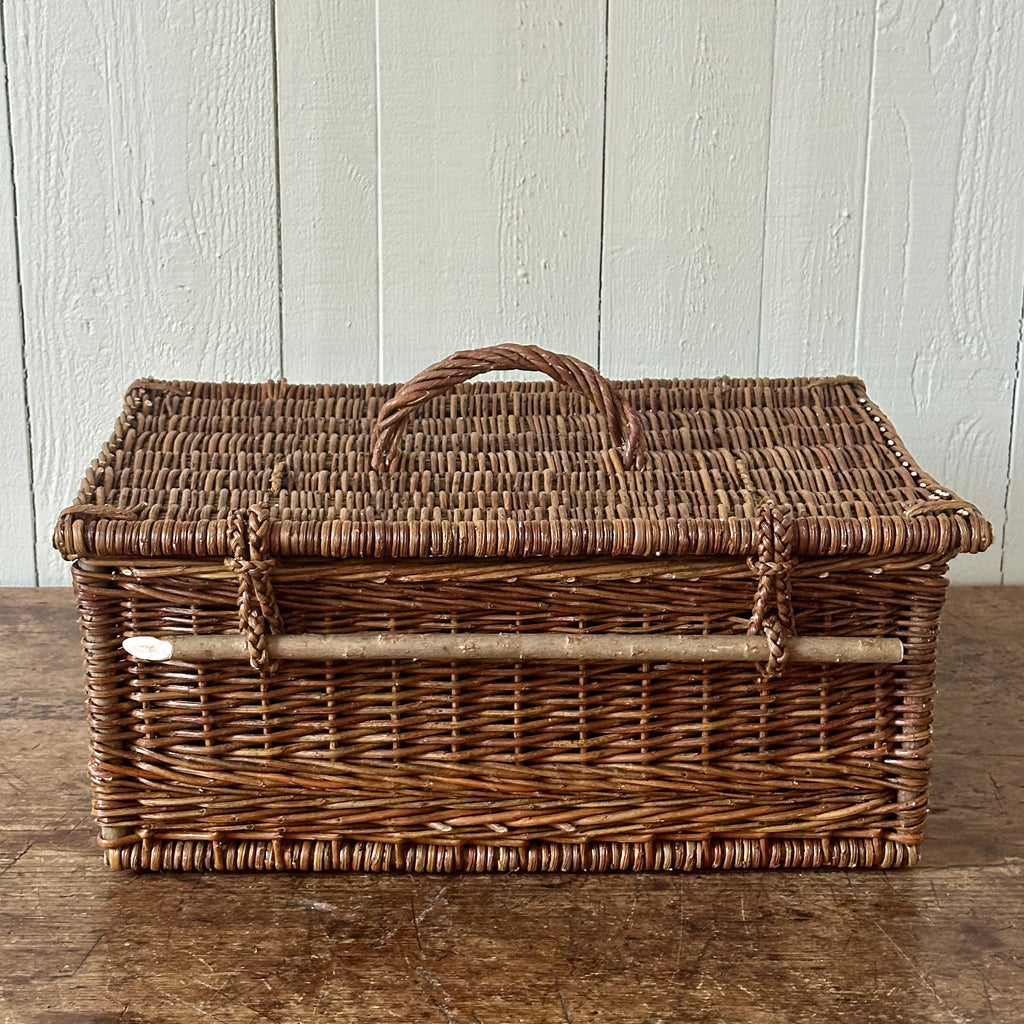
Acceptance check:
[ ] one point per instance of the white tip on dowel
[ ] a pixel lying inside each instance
(148, 648)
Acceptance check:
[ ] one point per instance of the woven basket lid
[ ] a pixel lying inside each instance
(575, 466)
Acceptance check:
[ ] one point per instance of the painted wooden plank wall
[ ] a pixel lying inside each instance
(943, 223)
(347, 190)
(327, 95)
(491, 126)
(143, 141)
(815, 187)
(17, 550)
(687, 146)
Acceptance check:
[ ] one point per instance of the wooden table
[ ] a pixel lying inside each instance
(940, 942)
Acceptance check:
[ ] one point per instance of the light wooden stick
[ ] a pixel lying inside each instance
(575, 647)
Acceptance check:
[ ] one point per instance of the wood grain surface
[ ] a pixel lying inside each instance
(938, 943)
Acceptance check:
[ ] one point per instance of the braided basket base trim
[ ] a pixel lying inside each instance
(539, 856)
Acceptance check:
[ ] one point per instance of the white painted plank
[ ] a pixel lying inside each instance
(815, 197)
(943, 247)
(144, 159)
(327, 118)
(689, 97)
(491, 130)
(17, 548)
(1012, 568)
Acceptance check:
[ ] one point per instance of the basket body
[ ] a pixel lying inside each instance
(549, 766)
(505, 764)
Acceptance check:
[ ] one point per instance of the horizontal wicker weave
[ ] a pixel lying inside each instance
(765, 509)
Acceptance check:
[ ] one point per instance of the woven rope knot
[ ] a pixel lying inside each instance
(772, 611)
(258, 614)
(251, 569)
(768, 569)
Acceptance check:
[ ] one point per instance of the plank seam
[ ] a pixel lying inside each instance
(380, 198)
(764, 195)
(865, 184)
(21, 302)
(1015, 426)
(604, 187)
(275, 99)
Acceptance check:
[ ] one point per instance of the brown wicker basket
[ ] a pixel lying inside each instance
(561, 625)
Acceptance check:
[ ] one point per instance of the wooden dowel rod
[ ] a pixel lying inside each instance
(575, 647)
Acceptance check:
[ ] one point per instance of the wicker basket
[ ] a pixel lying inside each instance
(561, 625)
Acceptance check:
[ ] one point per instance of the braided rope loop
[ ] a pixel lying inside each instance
(772, 610)
(258, 614)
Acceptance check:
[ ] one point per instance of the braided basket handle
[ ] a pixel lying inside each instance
(441, 377)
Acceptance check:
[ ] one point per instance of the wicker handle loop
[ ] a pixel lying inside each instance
(441, 377)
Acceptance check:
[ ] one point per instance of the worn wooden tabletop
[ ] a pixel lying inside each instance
(940, 942)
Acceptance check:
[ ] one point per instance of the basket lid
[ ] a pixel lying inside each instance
(572, 467)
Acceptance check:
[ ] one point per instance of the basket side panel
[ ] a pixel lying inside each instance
(109, 674)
